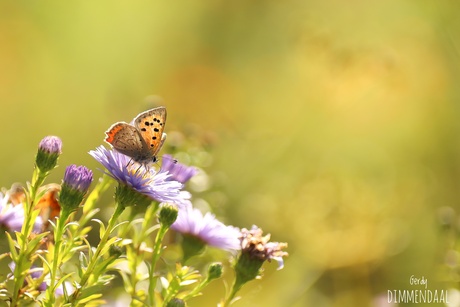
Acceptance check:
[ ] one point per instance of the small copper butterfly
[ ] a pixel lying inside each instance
(48, 204)
(141, 140)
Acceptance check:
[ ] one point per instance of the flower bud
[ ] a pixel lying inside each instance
(168, 214)
(214, 271)
(116, 251)
(176, 302)
(77, 180)
(48, 153)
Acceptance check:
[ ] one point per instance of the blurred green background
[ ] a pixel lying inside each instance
(333, 124)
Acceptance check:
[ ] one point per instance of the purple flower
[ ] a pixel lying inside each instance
(178, 171)
(78, 178)
(48, 153)
(207, 228)
(51, 144)
(141, 178)
(12, 216)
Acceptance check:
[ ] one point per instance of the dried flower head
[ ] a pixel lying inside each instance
(255, 250)
(259, 247)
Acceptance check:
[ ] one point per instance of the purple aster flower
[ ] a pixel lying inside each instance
(178, 171)
(12, 216)
(141, 178)
(48, 153)
(207, 228)
(77, 180)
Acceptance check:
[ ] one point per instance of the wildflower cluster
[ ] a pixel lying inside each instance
(50, 229)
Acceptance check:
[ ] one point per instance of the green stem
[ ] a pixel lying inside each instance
(133, 263)
(59, 231)
(197, 289)
(156, 255)
(232, 294)
(124, 229)
(37, 180)
(138, 239)
(23, 263)
(50, 296)
(93, 261)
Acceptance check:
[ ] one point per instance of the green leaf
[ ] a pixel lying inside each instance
(73, 223)
(101, 228)
(126, 281)
(36, 241)
(62, 279)
(118, 225)
(4, 255)
(45, 262)
(12, 244)
(85, 230)
(111, 241)
(19, 238)
(152, 229)
(78, 248)
(90, 250)
(89, 298)
(86, 217)
(188, 282)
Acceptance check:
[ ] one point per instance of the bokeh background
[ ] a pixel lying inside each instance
(332, 125)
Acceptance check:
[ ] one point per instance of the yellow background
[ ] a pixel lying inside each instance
(334, 124)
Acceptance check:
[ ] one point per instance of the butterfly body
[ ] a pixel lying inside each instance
(141, 140)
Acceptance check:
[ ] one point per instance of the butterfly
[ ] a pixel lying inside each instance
(47, 204)
(141, 140)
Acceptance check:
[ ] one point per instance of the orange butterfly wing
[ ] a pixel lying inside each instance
(151, 125)
(128, 140)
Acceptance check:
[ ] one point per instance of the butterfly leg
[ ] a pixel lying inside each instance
(129, 162)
